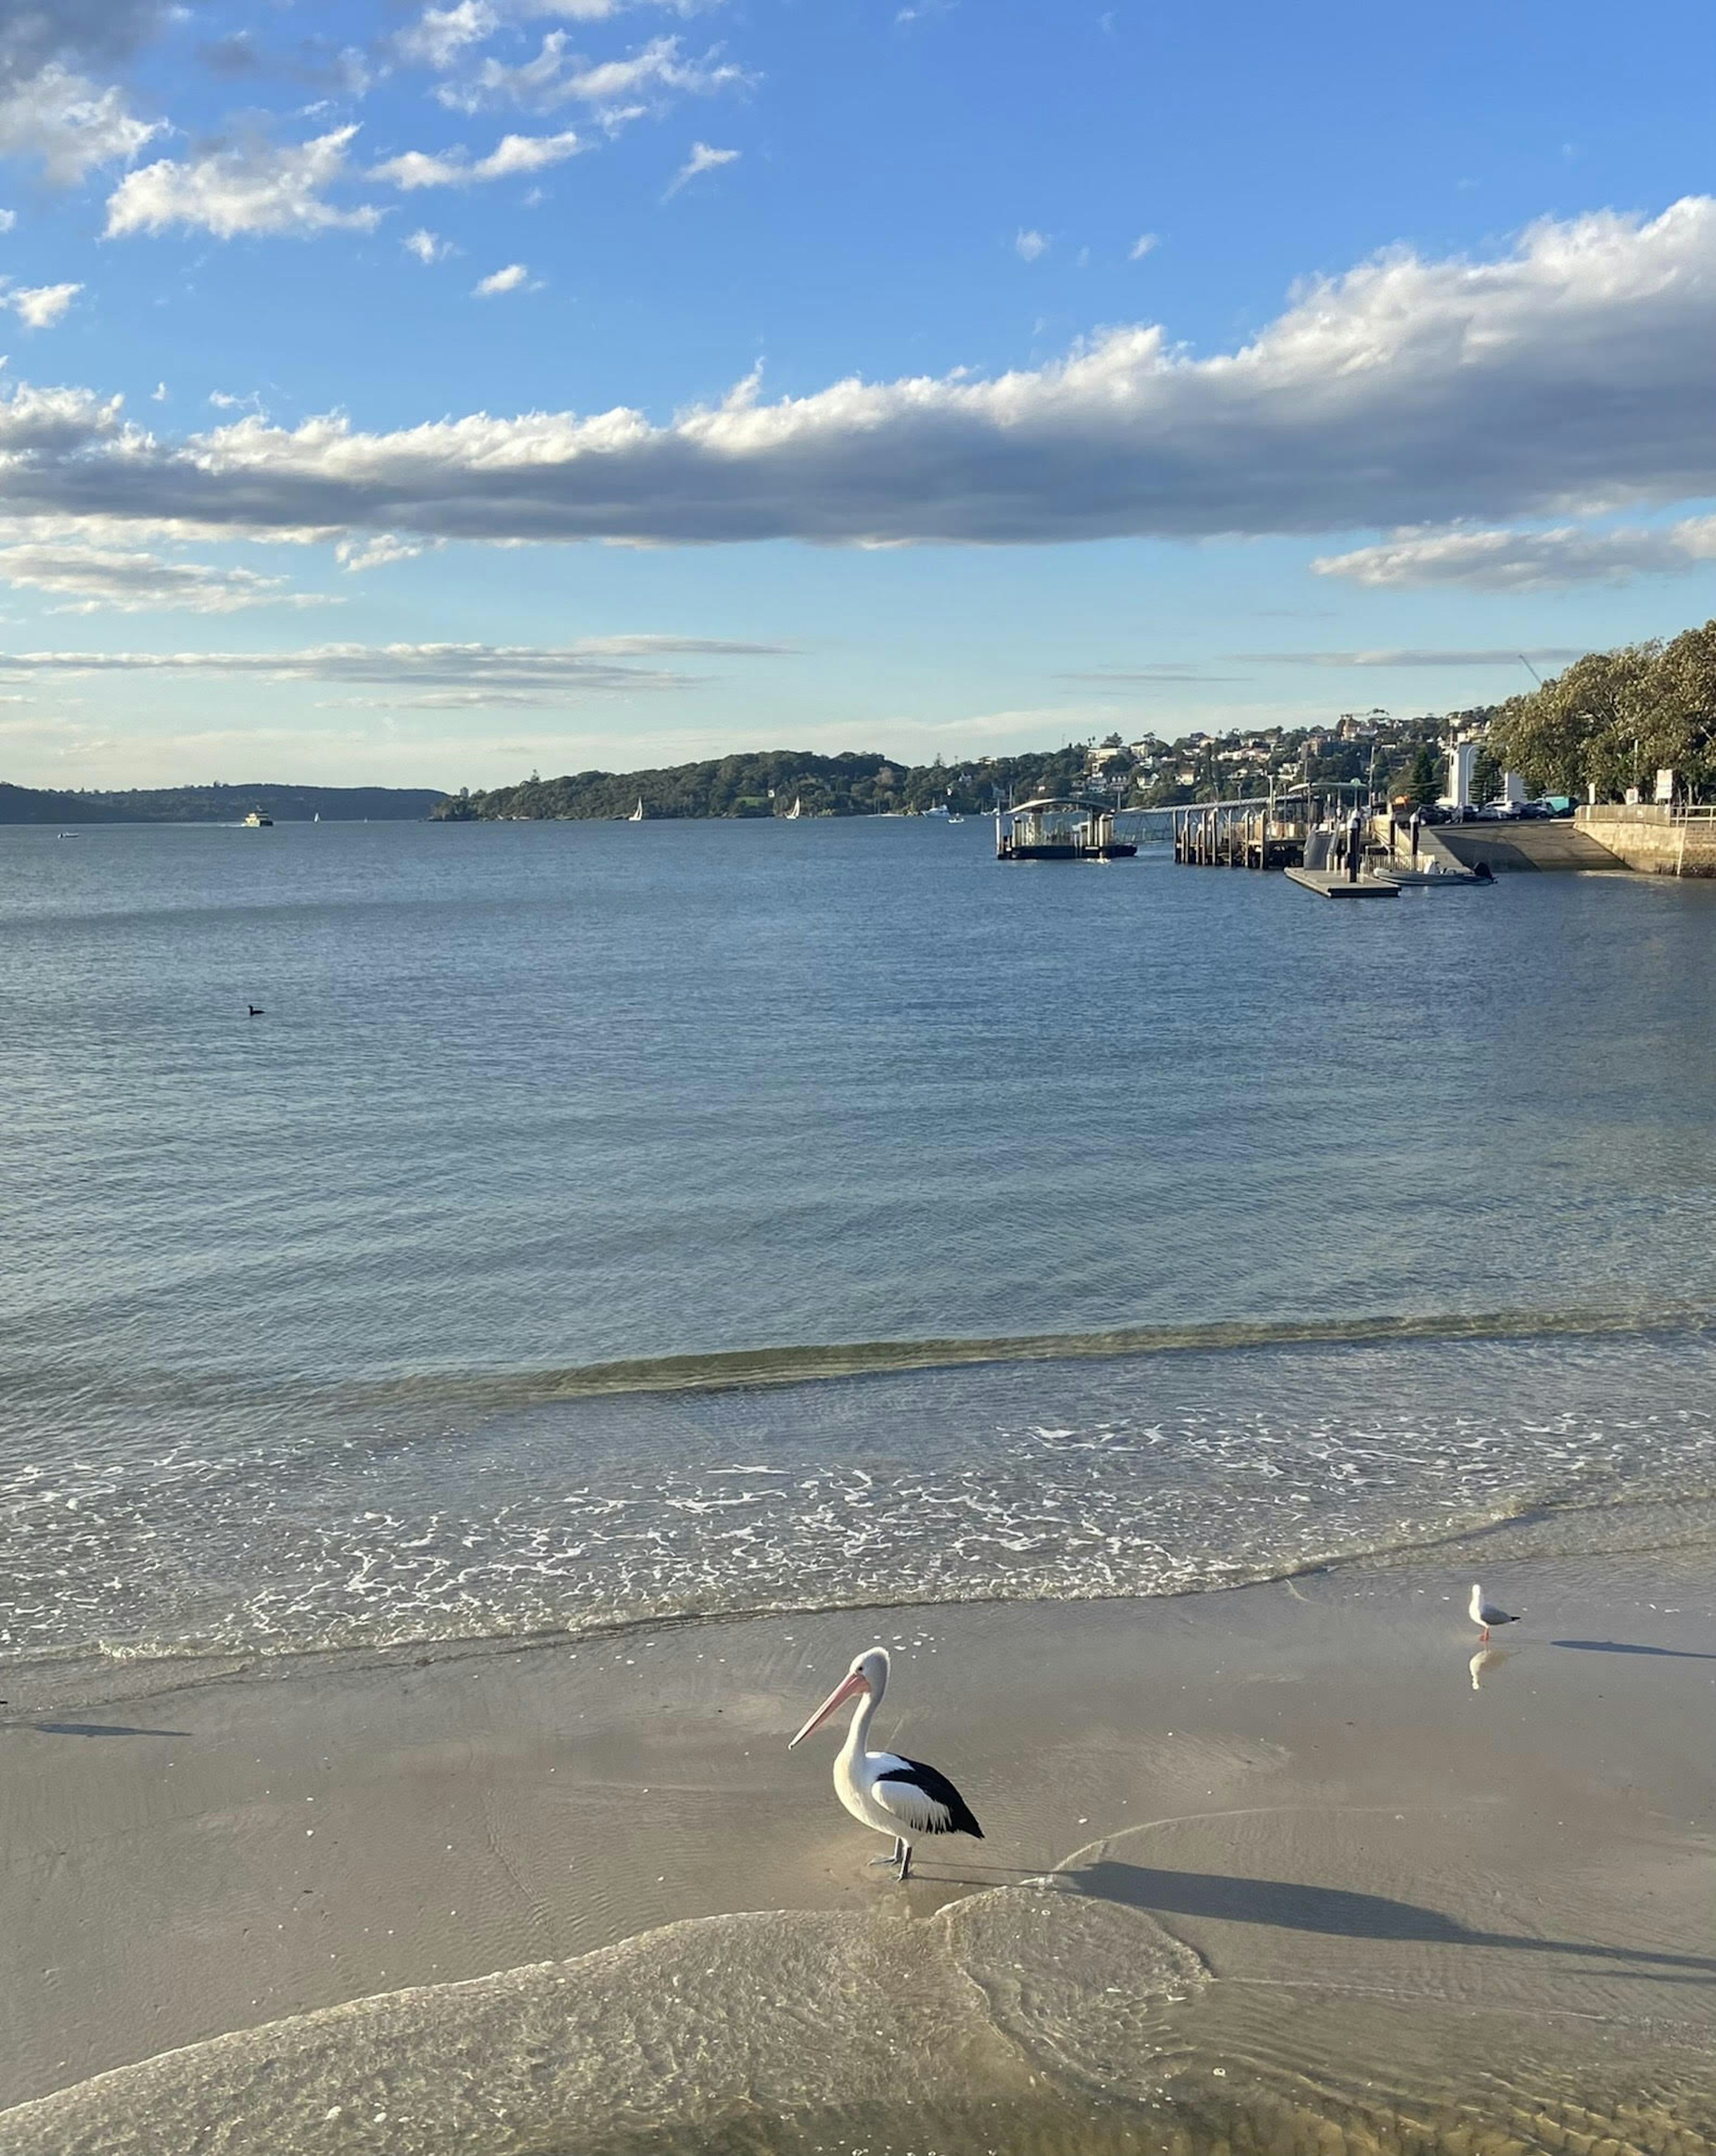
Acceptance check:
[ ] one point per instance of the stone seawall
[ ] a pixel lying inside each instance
(1654, 840)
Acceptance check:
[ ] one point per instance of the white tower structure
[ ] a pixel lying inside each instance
(1463, 758)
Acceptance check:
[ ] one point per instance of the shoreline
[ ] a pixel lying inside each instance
(1296, 1784)
(1670, 1529)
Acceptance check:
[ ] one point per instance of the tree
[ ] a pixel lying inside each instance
(1423, 779)
(1614, 718)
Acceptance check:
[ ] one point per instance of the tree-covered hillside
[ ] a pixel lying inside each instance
(766, 782)
(217, 805)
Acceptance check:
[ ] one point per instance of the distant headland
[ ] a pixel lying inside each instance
(218, 804)
(768, 782)
(1146, 772)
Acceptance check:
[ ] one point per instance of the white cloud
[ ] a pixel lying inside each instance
(1029, 245)
(1539, 655)
(252, 186)
(71, 125)
(1147, 243)
(1527, 561)
(1572, 375)
(702, 159)
(440, 35)
(356, 555)
(460, 674)
(8, 217)
(512, 154)
(39, 306)
(559, 76)
(95, 580)
(429, 247)
(503, 281)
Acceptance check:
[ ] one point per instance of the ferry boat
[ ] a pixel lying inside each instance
(259, 819)
(1059, 827)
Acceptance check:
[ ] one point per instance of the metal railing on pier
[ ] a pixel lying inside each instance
(1649, 811)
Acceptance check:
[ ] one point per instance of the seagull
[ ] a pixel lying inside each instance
(895, 1796)
(1484, 1613)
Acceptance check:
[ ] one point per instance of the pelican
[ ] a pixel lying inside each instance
(1484, 1613)
(895, 1796)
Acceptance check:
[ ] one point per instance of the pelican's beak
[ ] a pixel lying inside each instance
(849, 1687)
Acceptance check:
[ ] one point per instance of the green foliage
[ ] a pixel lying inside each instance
(1614, 717)
(768, 781)
(1423, 779)
(219, 803)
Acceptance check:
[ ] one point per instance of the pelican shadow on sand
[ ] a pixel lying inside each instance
(100, 1729)
(1624, 1647)
(1336, 1911)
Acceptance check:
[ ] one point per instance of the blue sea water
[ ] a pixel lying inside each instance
(1360, 1227)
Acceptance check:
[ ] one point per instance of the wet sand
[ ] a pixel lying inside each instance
(1341, 1861)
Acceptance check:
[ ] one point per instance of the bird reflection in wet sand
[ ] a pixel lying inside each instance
(1485, 1660)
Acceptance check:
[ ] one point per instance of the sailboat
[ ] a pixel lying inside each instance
(797, 809)
(637, 814)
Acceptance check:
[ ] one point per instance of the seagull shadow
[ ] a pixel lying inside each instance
(1338, 1912)
(1626, 1647)
(101, 1729)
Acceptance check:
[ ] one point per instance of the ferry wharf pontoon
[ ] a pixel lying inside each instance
(1059, 827)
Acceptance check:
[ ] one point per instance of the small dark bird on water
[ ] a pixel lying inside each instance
(256, 1010)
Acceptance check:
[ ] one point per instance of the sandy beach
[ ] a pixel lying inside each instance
(1288, 1836)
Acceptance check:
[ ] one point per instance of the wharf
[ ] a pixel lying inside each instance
(1332, 883)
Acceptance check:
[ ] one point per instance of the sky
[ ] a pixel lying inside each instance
(422, 394)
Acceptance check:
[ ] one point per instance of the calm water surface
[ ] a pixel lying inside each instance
(289, 1304)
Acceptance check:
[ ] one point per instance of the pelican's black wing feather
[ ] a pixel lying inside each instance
(924, 1799)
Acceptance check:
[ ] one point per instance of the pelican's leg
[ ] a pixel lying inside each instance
(893, 1855)
(905, 1860)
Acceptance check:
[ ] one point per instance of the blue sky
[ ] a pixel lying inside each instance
(420, 394)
